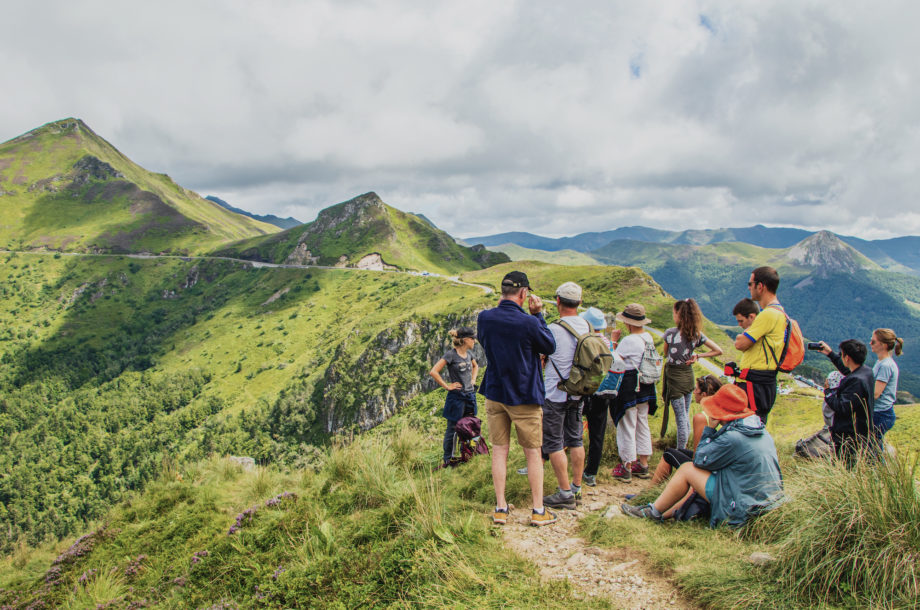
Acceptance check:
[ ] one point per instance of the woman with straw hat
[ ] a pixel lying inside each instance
(635, 401)
(735, 468)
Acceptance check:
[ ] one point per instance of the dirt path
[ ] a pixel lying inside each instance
(620, 576)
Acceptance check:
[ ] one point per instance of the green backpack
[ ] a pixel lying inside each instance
(589, 366)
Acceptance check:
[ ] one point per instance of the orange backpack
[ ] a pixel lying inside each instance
(793, 344)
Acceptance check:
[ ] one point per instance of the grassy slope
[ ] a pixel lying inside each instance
(237, 373)
(65, 220)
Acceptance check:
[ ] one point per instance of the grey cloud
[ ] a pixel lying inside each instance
(489, 117)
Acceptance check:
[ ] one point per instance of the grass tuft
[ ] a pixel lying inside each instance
(849, 536)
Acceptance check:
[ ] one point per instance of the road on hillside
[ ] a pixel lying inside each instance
(259, 264)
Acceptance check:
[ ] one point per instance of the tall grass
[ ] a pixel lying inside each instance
(849, 537)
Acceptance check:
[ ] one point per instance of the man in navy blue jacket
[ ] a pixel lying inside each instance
(852, 401)
(513, 387)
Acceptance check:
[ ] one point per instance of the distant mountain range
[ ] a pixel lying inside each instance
(834, 289)
(283, 223)
(897, 254)
(63, 187)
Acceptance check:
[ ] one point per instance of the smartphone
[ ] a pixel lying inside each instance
(815, 346)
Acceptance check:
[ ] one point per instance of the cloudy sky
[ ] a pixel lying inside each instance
(490, 116)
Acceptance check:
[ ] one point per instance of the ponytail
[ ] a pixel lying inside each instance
(891, 341)
(457, 341)
(689, 319)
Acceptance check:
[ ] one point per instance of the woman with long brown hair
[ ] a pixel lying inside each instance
(680, 341)
(884, 341)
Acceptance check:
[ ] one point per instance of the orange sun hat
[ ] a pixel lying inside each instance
(727, 404)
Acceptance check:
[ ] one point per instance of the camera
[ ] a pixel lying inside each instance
(814, 346)
(731, 370)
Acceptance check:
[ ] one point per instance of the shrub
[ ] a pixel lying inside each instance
(849, 536)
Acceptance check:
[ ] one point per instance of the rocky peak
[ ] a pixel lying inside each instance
(355, 212)
(827, 253)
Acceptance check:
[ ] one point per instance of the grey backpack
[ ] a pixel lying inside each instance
(650, 366)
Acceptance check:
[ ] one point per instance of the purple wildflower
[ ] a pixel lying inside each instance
(278, 572)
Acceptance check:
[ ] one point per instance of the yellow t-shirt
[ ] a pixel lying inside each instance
(768, 331)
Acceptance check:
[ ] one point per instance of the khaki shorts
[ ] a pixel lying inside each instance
(528, 421)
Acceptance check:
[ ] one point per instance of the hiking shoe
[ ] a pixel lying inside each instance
(500, 516)
(522, 470)
(546, 518)
(589, 479)
(560, 499)
(638, 470)
(621, 473)
(641, 512)
(576, 491)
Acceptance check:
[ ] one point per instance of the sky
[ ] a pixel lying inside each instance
(489, 116)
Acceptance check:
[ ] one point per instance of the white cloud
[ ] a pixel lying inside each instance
(491, 117)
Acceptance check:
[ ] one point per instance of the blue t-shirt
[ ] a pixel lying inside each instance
(886, 370)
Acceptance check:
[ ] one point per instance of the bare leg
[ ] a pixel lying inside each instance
(499, 472)
(560, 465)
(699, 422)
(686, 478)
(577, 456)
(670, 512)
(534, 475)
(662, 472)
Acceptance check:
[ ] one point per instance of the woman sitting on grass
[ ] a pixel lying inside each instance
(672, 458)
(734, 468)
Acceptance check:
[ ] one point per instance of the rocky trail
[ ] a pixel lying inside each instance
(621, 576)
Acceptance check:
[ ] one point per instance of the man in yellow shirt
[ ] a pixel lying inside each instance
(762, 343)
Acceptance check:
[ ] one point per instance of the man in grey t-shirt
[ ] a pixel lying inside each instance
(562, 425)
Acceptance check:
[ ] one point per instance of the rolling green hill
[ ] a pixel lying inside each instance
(62, 187)
(558, 257)
(365, 232)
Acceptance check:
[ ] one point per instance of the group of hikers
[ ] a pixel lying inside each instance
(538, 379)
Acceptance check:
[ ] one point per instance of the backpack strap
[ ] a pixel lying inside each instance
(571, 330)
(578, 338)
(786, 332)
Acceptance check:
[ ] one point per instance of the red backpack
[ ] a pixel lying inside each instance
(793, 344)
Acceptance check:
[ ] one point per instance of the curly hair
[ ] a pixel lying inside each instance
(689, 319)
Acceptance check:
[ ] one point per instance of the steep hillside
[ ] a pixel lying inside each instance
(62, 187)
(111, 365)
(364, 232)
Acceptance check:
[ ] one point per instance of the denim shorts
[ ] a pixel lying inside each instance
(562, 425)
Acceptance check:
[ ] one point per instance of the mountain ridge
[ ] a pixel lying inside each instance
(900, 254)
(366, 232)
(283, 223)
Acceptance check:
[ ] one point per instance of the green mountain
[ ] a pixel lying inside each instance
(364, 232)
(62, 187)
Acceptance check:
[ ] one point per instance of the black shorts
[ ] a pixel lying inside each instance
(675, 457)
(562, 425)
